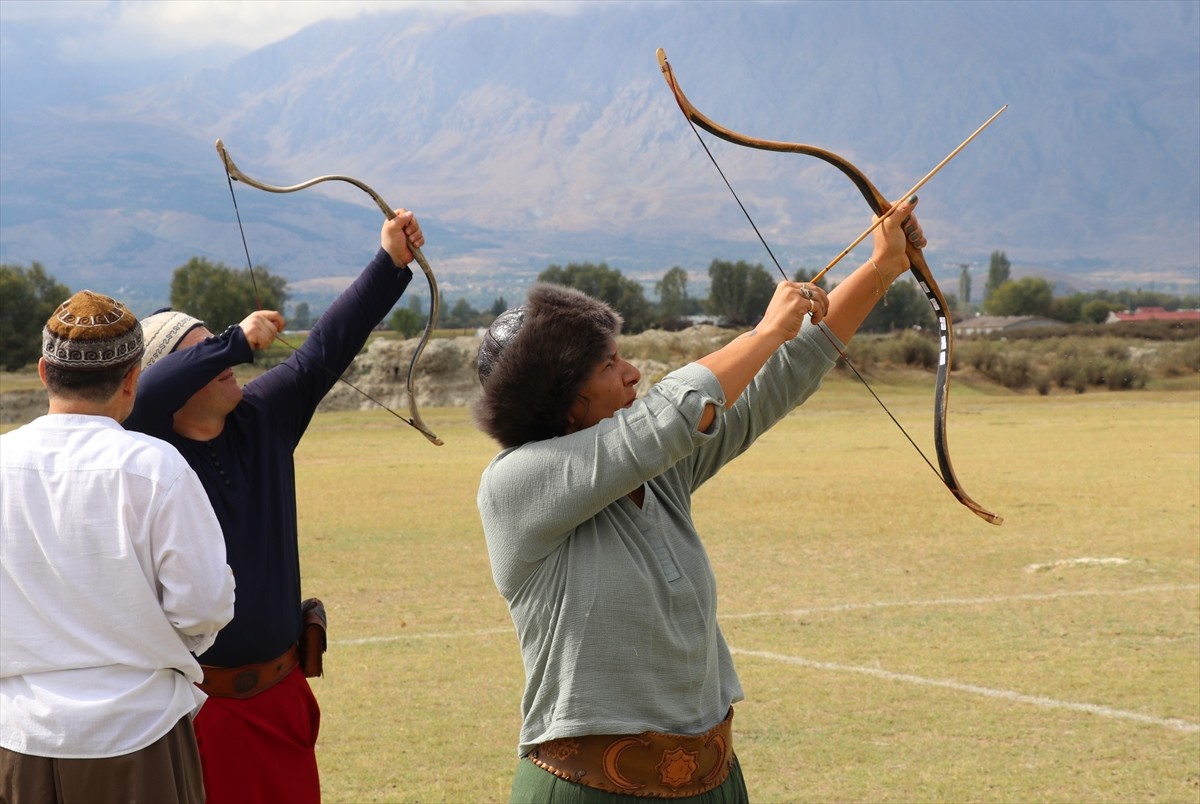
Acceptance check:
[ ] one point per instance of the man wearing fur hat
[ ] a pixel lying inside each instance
(112, 575)
(587, 514)
(258, 732)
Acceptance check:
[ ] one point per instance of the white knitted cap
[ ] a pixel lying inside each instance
(163, 331)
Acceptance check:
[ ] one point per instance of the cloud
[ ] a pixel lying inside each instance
(129, 30)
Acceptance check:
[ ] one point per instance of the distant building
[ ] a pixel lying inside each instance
(1153, 314)
(994, 324)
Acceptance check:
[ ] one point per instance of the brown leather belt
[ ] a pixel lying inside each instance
(646, 764)
(249, 679)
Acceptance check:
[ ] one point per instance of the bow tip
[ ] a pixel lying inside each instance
(988, 516)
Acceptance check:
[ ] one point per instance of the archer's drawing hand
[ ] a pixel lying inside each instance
(261, 327)
(791, 302)
(892, 238)
(397, 235)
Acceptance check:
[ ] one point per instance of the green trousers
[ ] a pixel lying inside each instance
(532, 785)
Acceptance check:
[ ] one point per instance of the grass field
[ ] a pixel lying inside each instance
(893, 646)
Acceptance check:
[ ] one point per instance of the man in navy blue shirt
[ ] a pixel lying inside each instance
(258, 730)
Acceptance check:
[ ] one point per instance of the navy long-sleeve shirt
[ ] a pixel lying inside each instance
(248, 470)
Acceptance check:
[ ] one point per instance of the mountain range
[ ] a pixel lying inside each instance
(529, 136)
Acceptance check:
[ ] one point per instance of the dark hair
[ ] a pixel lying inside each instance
(534, 359)
(97, 386)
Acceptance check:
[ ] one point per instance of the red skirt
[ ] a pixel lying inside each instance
(261, 749)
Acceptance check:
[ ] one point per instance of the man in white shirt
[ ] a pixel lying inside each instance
(112, 575)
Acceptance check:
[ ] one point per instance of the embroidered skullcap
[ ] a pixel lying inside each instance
(164, 329)
(91, 332)
(533, 360)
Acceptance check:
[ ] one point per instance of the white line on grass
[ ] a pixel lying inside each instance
(953, 601)
(426, 635)
(961, 601)
(1177, 724)
(1082, 561)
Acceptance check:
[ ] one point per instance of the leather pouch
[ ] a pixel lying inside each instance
(312, 637)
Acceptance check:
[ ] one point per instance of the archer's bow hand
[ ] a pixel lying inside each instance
(399, 235)
(261, 327)
(892, 239)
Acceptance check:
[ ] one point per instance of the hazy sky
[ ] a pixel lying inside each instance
(99, 31)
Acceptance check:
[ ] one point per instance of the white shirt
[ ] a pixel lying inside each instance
(112, 572)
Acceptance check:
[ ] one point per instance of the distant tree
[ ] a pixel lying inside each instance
(410, 319)
(964, 285)
(998, 272)
(1069, 309)
(1093, 306)
(219, 295)
(407, 321)
(607, 284)
(906, 308)
(1095, 311)
(461, 315)
(1030, 295)
(673, 301)
(28, 296)
(498, 306)
(952, 304)
(1133, 299)
(738, 291)
(301, 318)
(805, 274)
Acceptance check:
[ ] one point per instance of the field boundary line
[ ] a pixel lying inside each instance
(1177, 724)
(425, 635)
(962, 601)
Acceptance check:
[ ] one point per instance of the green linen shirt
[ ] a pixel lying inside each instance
(615, 606)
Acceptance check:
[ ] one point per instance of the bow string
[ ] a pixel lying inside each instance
(233, 173)
(881, 207)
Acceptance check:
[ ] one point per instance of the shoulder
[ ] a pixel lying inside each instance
(15, 443)
(506, 464)
(151, 456)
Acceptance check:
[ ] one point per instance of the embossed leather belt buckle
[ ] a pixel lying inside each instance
(249, 679)
(245, 681)
(647, 764)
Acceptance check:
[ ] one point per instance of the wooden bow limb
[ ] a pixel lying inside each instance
(880, 206)
(235, 174)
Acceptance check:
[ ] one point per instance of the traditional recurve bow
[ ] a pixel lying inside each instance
(880, 206)
(235, 174)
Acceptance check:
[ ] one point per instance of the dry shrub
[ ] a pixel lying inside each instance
(1179, 359)
(906, 348)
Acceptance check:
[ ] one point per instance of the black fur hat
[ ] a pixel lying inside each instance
(534, 359)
